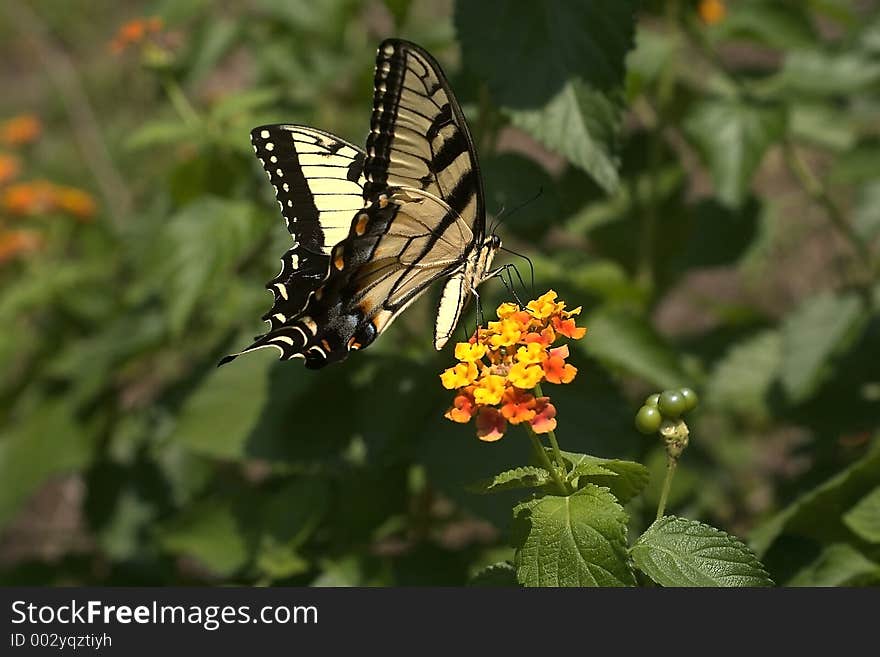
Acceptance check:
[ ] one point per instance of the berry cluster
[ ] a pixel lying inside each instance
(666, 405)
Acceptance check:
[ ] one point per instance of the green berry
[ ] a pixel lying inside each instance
(671, 404)
(648, 419)
(690, 399)
(653, 400)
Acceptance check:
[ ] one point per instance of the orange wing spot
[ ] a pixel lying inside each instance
(339, 262)
(326, 345)
(353, 344)
(361, 226)
(319, 293)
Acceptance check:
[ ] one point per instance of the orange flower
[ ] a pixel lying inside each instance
(28, 198)
(545, 416)
(556, 370)
(491, 425)
(463, 406)
(135, 31)
(75, 201)
(20, 130)
(712, 11)
(517, 406)
(501, 363)
(16, 242)
(9, 167)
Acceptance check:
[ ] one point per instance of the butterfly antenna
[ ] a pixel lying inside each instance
(522, 205)
(528, 260)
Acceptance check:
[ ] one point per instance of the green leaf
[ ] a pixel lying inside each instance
(162, 132)
(624, 341)
(579, 540)
(818, 513)
(581, 124)
(525, 477)
(732, 136)
(580, 39)
(625, 479)
(199, 249)
(819, 73)
(740, 381)
(47, 441)
(821, 328)
(864, 517)
(680, 552)
(208, 532)
(768, 22)
(498, 574)
(838, 565)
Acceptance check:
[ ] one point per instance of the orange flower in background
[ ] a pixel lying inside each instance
(75, 202)
(41, 196)
(20, 130)
(501, 365)
(712, 11)
(18, 242)
(10, 166)
(135, 31)
(28, 198)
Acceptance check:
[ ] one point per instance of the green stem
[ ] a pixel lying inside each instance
(671, 463)
(181, 103)
(545, 462)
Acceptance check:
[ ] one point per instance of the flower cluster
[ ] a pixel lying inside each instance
(33, 197)
(500, 367)
(134, 32)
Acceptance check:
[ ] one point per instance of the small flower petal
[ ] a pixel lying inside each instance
(469, 353)
(517, 406)
(545, 416)
(463, 407)
(459, 376)
(531, 354)
(489, 390)
(525, 376)
(491, 425)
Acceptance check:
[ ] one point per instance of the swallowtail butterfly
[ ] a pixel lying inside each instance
(373, 229)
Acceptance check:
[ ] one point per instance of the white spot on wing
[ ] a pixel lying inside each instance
(264, 134)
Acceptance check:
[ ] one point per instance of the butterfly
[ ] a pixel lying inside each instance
(373, 229)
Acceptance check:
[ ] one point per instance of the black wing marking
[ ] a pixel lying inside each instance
(419, 136)
(318, 180)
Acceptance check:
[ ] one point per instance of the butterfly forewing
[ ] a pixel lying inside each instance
(418, 134)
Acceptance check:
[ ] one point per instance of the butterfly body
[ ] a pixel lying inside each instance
(373, 228)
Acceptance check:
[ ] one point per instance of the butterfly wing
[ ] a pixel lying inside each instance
(318, 180)
(418, 134)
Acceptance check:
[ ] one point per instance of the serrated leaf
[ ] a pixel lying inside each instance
(838, 565)
(625, 479)
(579, 39)
(498, 574)
(581, 124)
(680, 552)
(818, 513)
(579, 540)
(864, 517)
(821, 328)
(732, 137)
(524, 477)
(621, 340)
(199, 247)
(740, 380)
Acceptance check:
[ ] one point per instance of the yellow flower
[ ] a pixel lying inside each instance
(489, 389)
(505, 333)
(459, 376)
(505, 310)
(531, 354)
(545, 305)
(469, 353)
(525, 376)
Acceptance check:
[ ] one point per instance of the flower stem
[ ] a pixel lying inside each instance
(545, 461)
(671, 463)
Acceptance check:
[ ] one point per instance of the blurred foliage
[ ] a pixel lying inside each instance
(708, 178)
